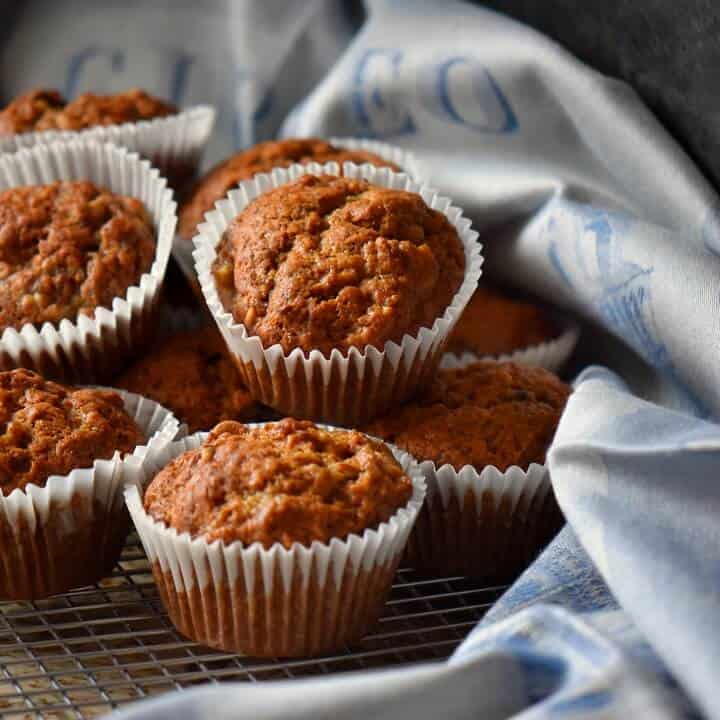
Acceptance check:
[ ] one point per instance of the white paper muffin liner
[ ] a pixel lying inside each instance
(404, 159)
(183, 247)
(487, 524)
(551, 354)
(174, 144)
(275, 602)
(346, 390)
(92, 348)
(70, 532)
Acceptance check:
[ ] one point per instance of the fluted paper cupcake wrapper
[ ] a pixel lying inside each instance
(174, 144)
(70, 532)
(183, 247)
(275, 602)
(551, 355)
(404, 159)
(343, 389)
(92, 348)
(488, 524)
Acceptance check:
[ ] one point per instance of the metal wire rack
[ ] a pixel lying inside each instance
(81, 654)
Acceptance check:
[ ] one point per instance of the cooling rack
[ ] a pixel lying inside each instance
(82, 654)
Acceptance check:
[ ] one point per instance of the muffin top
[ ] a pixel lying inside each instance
(488, 413)
(262, 158)
(39, 110)
(51, 429)
(494, 323)
(193, 375)
(67, 248)
(330, 262)
(282, 482)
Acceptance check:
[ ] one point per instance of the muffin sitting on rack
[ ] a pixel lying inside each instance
(481, 434)
(62, 467)
(302, 526)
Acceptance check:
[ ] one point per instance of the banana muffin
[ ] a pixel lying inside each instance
(63, 523)
(495, 323)
(302, 526)
(68, 248)
(262, 158)
(283, 482)
(488, 413)
(481, 434)
(193, 375)
(43, 109)
(329, 262)
(51, 429)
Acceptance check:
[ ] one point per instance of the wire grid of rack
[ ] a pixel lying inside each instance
(81, 654)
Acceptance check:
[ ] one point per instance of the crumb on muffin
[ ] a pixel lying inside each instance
(495, 323)
(51, 429)
(193, 375)
(283, 482)
(41, 109)
(68, 248)
(262, 158)
(329, 262)
(488, 413)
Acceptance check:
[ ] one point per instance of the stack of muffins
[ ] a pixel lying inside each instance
(330, 287)
(86, 230)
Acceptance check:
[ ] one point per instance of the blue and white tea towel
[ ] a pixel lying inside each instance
(582, 198)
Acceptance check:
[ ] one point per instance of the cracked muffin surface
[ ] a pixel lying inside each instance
(42, 109)
(67, 248)
(488, 413)
(51, 429)
(193, 375)
(262, 158)
(329, 262)
(285, 482)
(495, 323)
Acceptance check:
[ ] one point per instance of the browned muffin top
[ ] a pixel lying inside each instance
(489, 413)
(26, 111)
(494, 323)
(329, 262)
(262, 158)
(39, 110)
(285, 482)
(51, 429)
(68, 248)
(193, 375)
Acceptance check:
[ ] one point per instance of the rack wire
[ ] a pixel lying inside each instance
(84, 653)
